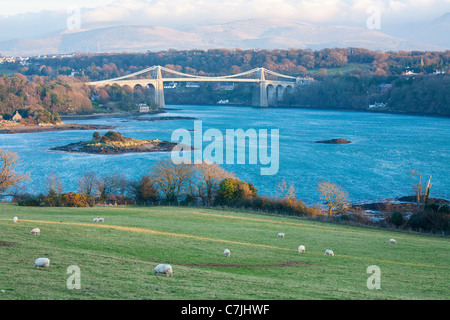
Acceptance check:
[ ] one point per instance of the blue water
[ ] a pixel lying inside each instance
(376, 166)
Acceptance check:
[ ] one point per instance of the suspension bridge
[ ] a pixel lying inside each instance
(266, 92)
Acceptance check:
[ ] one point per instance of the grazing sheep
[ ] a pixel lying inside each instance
(101, 219)
(35, 231)
(95, 220)
(163, 268)
(15, 219)
(42, 262)
(280, 235)
(392, 241)
(301, 249)
(227, 253)
(329, 252)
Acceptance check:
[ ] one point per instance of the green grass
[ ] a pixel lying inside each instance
(344, 70)
(117, 257)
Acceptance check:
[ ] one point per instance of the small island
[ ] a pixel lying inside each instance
(335, 141)
(115, 143)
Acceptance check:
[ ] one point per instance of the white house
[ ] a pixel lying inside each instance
(143, 107)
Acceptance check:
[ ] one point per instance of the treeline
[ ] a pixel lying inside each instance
(47, 86)
(225, 61)
(210, 185)
(426, 94)
(41, 99)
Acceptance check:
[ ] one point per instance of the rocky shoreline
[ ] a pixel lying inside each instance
(114, 143)
(55, 127)
(84, 147)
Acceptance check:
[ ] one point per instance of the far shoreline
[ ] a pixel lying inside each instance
(50, 128)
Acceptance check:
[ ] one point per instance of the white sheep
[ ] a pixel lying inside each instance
(393, 241)
(227, 253)
(101, 219)
(15, 219)
(280, 235)
(42, 262)
(163, 268)
(301, 249)
(35, 231)
(95, 220)
(329, 252)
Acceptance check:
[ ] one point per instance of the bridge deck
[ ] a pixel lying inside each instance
(136, 81)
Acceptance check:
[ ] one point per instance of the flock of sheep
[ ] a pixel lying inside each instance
(161, 268)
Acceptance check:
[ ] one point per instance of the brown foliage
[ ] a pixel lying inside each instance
(8, 177)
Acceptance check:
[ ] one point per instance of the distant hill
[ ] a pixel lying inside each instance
(245, 34)
(436, 32)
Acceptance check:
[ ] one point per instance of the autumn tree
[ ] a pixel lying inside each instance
(8, 176)
(335, 197)
(233, 188)
(170, 180)
(286, 191)
(143, 191)
(206, 181)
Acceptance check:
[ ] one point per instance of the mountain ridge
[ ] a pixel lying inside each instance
(255, 33)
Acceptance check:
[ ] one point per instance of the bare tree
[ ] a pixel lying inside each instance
(8, 177)
(206, 179)
(335, 197)
(170, 179)
(286, 191)
(418, 190)
(53, 184)
(105, 187)
(86, 183)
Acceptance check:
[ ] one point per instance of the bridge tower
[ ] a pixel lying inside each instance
(159, 87)
(260, 90)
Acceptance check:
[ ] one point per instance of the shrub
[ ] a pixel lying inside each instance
(72, 199)
(397, 219)
(30, 202)
(433, 218)
(112, 136)
(233, 188)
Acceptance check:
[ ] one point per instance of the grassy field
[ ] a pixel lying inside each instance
(117, 257)
(344, 70)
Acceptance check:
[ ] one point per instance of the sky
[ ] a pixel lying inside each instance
(189, 11)
(27, 19)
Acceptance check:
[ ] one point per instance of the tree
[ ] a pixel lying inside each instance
(144, 191)
(53, 184)
(86, 183)
(8, 177)
(335, 197)
(286, 191)
(420, 194)
(207, 178)
(170, 180)
(233, 188)
(105, 187)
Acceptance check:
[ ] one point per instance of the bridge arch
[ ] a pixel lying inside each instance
(280, 92)
(289, 89)
(271, 95)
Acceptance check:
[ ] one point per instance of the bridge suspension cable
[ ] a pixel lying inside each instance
(252, 71)
(279, 74)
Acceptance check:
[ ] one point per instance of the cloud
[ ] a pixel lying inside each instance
(182, 13)
(179, 12)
